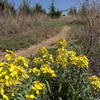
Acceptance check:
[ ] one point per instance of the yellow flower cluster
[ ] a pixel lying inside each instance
(47, 58)
(79, 61)
(2, 92)
(16, 68)
(10, 56)
(65, 57)
(43, 51)
(61, 60)
(17, 60)
(12, 72)
(36, 89)
(44, 69)
(62, 43)
(95, 82)
(61, 51)
(35, 71)
(82, 61)
(22, 61)
(37, 60)
(10, 75)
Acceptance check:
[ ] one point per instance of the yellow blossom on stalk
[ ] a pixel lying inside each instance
(2, 64)
(22, 61)
(82, 61)
(73, 60)
(18, 60)
(71, 53)
(37, 89)
(35, 70)
(11, 74)
(38, 86)
(9, 51)
(16, 69)
(46, 69)
(95, 82)
(48, 57)
(61, 43)
(5, 97)
(62, 60)
(37, 60)
(10, 56)
(2, 91)
(79, 61)
(61, 51)
(43, 51)
(30, 96)
(12, 94)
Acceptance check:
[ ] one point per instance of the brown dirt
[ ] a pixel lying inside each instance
(32, 50)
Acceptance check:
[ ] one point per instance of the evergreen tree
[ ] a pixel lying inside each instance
(83, 10)
(58, 13)
(25, 7)
(72, 11)
(52, 10)
(6, 6)
(53, 13)
(38, 9)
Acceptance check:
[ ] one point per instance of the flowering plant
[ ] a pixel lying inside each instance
(59, 74)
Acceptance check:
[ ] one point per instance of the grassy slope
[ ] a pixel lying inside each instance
(25, 39)
(17, 35)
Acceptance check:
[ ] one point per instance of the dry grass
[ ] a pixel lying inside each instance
(14, 24)
(21, 31)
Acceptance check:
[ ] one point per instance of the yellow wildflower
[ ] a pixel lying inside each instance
(61, 51)
(37, 60)
(95, 82)
(36, 90)
(21, 61)
(62, 60)
(82, 61)
(10, 51)
(30, 96)
(61, 43)
(35, 70)
(71, 53)
(11, 74)
(5, 97)
(10, 56)
(38, 86)
(43, 51)
(48, 57)
(46, 69)
(2, 91)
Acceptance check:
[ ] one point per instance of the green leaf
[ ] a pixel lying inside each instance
(60, 98)
(60, 87)
(48, 86)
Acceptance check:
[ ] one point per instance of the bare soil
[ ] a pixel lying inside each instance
(32, 50)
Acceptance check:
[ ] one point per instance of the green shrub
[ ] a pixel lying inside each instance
(59, 74)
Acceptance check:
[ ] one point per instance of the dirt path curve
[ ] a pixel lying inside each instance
(32, 50)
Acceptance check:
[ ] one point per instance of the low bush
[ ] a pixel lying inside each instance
(58, 74)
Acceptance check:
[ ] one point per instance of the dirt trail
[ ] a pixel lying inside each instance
(32, 50)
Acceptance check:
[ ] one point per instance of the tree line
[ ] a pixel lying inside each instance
(26, 8)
